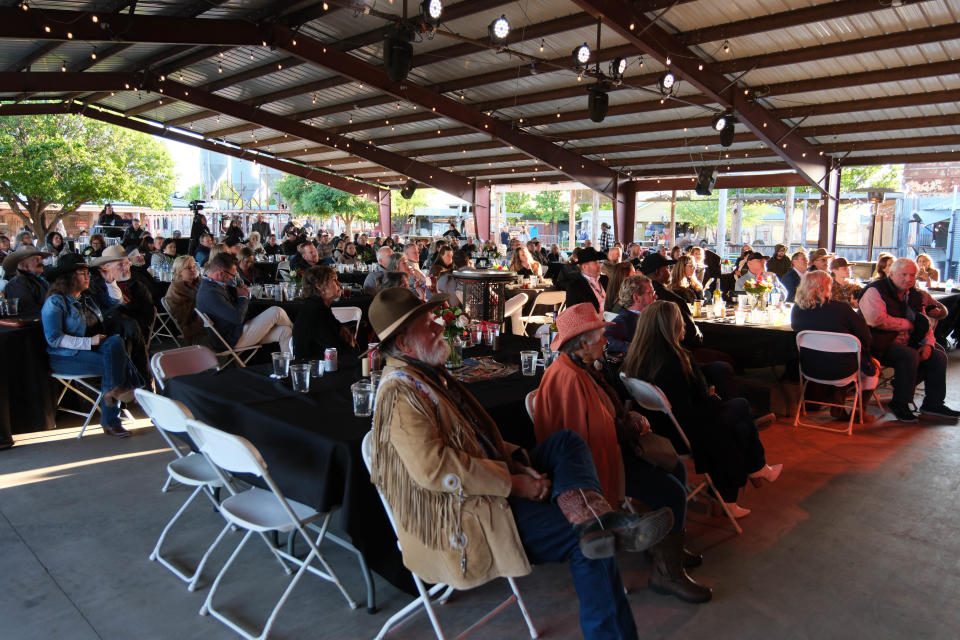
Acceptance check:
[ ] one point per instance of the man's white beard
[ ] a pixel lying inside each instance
(433, 354)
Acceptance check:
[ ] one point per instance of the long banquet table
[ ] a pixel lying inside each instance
(311, 442)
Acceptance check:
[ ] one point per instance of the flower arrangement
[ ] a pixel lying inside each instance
(455, 323)
(758, 286)
(499, 267)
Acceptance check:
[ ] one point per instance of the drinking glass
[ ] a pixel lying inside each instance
(545, 341)
(300, 377)
(281, 365)
(363, 395)
(316, 368)
(740, 317)
(493, 337)
(774, 298)
(528, 363)
(375, 380)
(13, 306)
(548, 357)
(743, 301)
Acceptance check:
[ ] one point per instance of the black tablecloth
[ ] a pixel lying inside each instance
(751, 346)
(267, 270)
(352, 277)
(292, 307)
(311, 442)
(27, 402)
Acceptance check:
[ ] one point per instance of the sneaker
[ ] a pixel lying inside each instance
(942, 411)
(902, 412)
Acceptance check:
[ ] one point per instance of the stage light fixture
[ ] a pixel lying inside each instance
(398, 53)
(598, 102)
(581, 56)
(724, 124)
(499, 29)
(705, 181)
(408, 189)
(666, 82)
(719, 121)
(430, 11)
(617, 68)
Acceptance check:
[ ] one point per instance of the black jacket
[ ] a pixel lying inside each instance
(226, 309)
(263, 228)
(791, 280)
(837, 317)
(692, 338)
(579, 290)
(317, 329)
(30, 289)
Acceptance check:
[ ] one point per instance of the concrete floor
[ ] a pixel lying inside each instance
(860, 538)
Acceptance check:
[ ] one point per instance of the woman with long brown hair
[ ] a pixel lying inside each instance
(523, 263)
(683, 280)
(722, 433)
(316, 328)
(618, 274)
(884, 260)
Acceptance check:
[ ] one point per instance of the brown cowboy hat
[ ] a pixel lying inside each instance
(393, 308)
(16, 257)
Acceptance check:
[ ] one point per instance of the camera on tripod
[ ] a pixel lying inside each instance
(196, 205)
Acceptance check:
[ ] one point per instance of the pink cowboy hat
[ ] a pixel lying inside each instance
(575, 320)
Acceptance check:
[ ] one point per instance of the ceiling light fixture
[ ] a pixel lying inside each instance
(617, 68)
(398, 53)
(666, 82)
(599, 102)
(724, 124)
(498, 30)
(581, 57)
(430, 12)
(409, 187)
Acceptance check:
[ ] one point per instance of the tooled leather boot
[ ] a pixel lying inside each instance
(602, 531)
(669, 576)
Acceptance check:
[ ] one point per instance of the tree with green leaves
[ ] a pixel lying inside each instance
(315, 199)
(517, 202)
(194, 192)
(552, 206)
(401, 208)
(69, 160)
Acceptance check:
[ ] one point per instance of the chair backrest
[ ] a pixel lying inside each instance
(514, 304)
(550, 298)
(183, 361)
(829, 342)
(166, 308)
(225, 450)
(208, 323)
(609, 316)
(366, 449)
(283, 265)
(347, 314)
(530, 403)
(165, 413)
(651, 397)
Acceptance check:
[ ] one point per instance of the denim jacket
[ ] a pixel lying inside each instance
(64, 324)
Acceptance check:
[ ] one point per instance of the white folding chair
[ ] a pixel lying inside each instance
(259, 511)
(513, 308)
(348, 314)
(650, 397)
(232, 352)
(183, 361)
(609, 316)
(191, 470)
(836, 343)
(172, 321)
(426, 596)
(530, 403)
(555, 299)
(162, 321)
(77, 383)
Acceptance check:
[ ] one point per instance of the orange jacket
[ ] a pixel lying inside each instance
(568, 398)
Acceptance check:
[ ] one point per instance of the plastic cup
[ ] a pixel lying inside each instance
(281, 365)
(13, 306)
(300, 377)
(375, 379)
(528, 363)
(363, 395)
(740, 317)
(743, 301)
(316, 368)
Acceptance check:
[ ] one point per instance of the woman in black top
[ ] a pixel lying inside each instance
(722, 433)
(316, 328)
(816, 311)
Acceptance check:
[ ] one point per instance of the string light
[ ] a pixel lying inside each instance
(668, 61)
(726, 46)
(63, 66)
(219, 68)
(541, 46)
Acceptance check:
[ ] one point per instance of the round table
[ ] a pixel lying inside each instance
(27, 401)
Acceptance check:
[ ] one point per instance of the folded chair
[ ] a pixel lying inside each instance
(232, 352)
(811, 343)
(650, 397)
(348, 314)
(178, 362)
(191, 470)
(163, 325)
(260, 511)
(426, 596)
(171, 320)
(77, 383)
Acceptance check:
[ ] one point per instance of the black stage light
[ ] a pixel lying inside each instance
(408, 188)
(598, 103)
(617, 68)
(398, 53)
(581, 57)
(499, 29)
(430, 11)
(705, 181)
(666, 82)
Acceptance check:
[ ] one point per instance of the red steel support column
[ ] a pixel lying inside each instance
(624, 211)
(481, 211)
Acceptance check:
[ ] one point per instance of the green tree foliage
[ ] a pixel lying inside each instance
(69, 160)
(552, 206)
(195, 192)
(518, 202)
(401, 208)
(315, 199)
(703, 212)
(875, 177)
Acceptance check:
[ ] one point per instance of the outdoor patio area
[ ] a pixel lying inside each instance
(859, 538)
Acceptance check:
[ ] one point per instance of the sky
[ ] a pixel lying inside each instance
(187, 161)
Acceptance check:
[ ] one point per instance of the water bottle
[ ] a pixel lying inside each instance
(165, 272)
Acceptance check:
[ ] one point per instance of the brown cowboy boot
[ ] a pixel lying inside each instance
(602, 531)
(669, 576)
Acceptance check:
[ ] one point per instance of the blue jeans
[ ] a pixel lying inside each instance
(108, 360)
(547, 536)
(655, 487)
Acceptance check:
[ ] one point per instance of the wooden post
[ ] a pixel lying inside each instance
(722, 222)
(829, 211)
(673, 220)
(788, 214)
(595, 231)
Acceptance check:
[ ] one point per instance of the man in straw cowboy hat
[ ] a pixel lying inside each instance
(28, 285)
(469, 506)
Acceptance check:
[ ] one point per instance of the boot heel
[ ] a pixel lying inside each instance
(598, 545)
